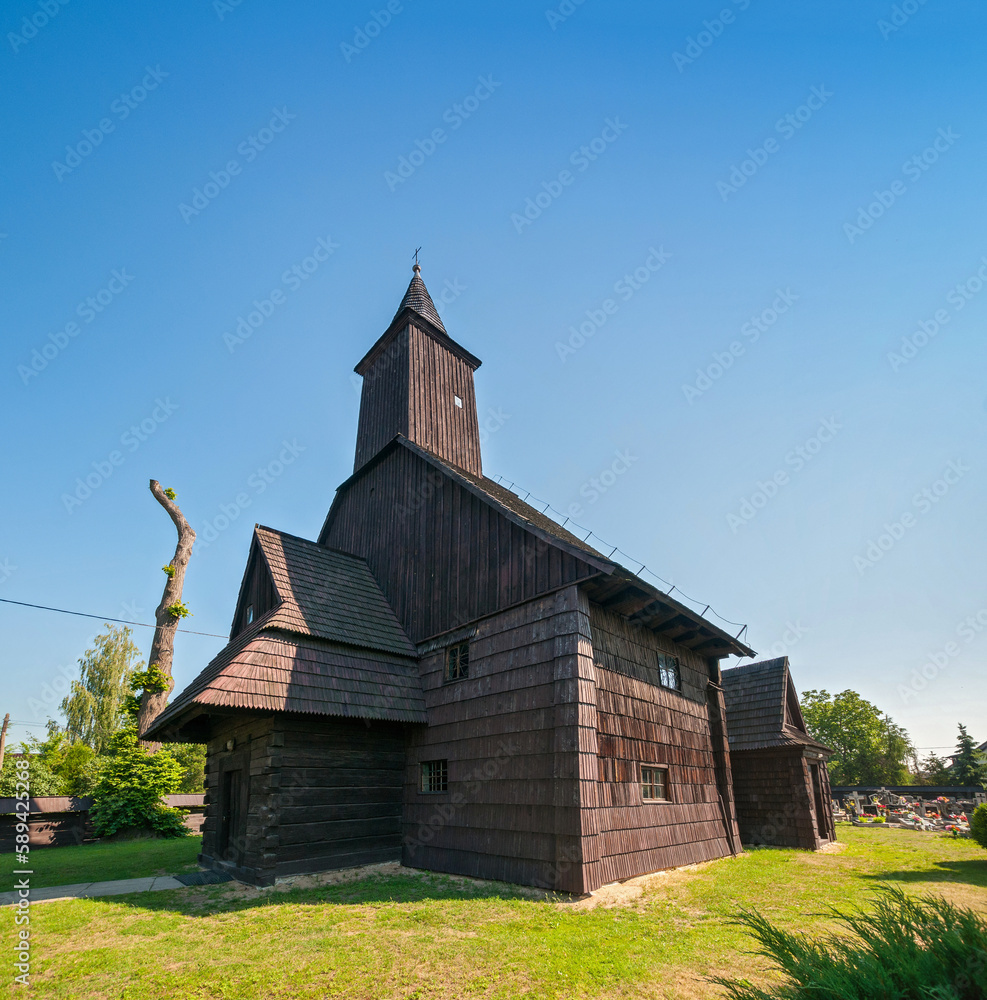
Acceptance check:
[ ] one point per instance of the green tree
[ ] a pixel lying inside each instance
(978, 825)
(94, 706)
(42, 779)
(935, 770)
(131, 785)
(969, 765)
(191, 757)
(869, 747)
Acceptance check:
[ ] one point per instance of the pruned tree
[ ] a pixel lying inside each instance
(159, 684)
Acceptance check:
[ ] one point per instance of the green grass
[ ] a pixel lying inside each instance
(102, 861)
(424, 936)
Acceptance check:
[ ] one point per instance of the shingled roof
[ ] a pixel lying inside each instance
(331, 645)
(328, 594)
(763, 708)
(417, 298)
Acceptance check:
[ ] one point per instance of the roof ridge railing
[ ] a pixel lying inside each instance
(644, 567)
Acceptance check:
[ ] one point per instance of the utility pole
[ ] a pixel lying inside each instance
(3, 737)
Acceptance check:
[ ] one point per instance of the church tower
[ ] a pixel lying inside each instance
(418, 382)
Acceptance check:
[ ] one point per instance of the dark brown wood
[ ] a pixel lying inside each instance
(337, 737)
(314, 794)
(163, 644)
(410, 388)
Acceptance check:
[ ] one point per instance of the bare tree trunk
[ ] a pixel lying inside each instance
(163, 647)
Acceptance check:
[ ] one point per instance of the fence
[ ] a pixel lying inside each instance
(57, 820)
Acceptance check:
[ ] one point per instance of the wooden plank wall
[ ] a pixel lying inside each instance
(383, 399)
(772, 791)
(323, 794)
(510, 732)
(459, 558)
(409, 390)
(641, 722)
(435, 423)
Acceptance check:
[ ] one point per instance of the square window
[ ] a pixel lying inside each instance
(458, 661)
(459, 402)
(435, 776)
(654, 783)
(669, 674)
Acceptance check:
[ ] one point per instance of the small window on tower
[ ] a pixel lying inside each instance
(459, 402)
(458, 661)
(250, 613)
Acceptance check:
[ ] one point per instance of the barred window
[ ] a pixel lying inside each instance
(654, 783)
(668, 672)
(458, 661)
(435, 776)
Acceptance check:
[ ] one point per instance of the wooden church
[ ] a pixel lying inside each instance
(449, 678)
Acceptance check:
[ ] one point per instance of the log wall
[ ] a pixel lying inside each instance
(322, 793)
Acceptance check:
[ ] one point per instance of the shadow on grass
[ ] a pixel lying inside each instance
(203, 901)
(972, 872)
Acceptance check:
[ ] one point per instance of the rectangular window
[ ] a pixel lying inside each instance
(435, 776)
(654, 783)
(668, 672)
(458, 662)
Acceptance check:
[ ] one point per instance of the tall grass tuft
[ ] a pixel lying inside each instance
(923, 948)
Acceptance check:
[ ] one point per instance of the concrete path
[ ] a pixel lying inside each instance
(85, 890)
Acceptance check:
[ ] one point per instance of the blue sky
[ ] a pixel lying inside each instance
(797, 354)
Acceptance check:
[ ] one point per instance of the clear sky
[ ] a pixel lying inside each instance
(768, 222)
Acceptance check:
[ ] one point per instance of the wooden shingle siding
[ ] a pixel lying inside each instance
(772, 756)
(509, 733)
(773, 803)
(640, 722)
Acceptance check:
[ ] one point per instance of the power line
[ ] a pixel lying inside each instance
(105, 618)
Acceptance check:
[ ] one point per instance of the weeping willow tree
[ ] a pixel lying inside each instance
(94, 706)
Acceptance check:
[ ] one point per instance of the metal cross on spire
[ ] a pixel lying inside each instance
(416, 256)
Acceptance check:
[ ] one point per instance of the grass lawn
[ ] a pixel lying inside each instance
(428, 936)
(99, 862)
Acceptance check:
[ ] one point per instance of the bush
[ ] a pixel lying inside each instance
(131, 786)
(978, 825)
(910, 949)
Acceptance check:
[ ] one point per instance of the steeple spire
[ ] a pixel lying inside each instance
(417, 298)
(418, 382)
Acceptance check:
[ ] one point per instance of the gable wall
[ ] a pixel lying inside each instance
(257, 589)
(442, 556)
(639, 722)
